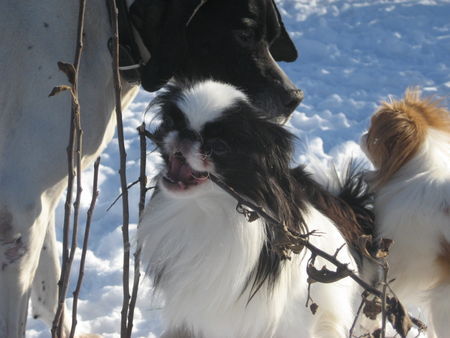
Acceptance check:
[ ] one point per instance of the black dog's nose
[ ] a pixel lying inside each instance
(294, 98)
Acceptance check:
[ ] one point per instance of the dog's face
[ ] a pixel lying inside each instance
(211, 128)
(234, 41)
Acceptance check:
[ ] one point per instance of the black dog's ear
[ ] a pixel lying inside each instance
(162, 26)
(282, 48)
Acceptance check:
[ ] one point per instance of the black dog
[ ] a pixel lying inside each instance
(234, 41)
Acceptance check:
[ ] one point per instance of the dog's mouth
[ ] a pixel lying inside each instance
(180, 176)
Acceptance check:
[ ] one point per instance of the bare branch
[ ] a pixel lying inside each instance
(75, 137)
(383, 299)
(122, 172)
(85, 245)
(142, 176)
(120, 195)
(358, 312)
(137, 254)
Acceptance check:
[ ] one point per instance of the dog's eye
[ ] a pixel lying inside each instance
(216, 146)
(245, 36)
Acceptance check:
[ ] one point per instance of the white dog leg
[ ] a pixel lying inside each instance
(20, 241)
(44, 294)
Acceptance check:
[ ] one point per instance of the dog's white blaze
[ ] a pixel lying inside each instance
(206, 101)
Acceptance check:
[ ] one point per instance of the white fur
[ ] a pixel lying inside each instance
(209, 250)
(34, 131)
(206, 101)
(413, 209)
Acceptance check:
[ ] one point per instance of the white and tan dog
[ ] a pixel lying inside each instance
(409, 144)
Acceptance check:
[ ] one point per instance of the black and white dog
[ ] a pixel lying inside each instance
(217, 271)
(34, 36)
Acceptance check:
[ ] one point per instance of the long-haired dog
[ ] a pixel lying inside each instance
(409, 144)
(217, 270)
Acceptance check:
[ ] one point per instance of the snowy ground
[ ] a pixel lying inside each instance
(352, 55)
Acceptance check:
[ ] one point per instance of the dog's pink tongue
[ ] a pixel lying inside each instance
(179, 170)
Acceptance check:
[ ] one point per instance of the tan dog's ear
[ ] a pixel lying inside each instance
(398, 129)
(162, 26)
(393, 139)
(282, 48)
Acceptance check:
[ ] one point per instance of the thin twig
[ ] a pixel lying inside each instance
(383, 298)
(308, 296)
(302, 239)
(363, 299)
(76, 211)
(90, 212)
(122, 172)
(120, 195)
(142, 175)
(56, 327)
(75, 134)
(137, 254)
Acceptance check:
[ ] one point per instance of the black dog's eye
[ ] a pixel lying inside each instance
(216, 146)
(246, 32)
(244, 36)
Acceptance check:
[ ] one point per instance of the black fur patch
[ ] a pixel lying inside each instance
(233, 41)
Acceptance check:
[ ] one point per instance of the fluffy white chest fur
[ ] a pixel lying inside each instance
(413, 209)
(203, 253)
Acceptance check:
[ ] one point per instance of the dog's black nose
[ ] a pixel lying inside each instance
(293, 99)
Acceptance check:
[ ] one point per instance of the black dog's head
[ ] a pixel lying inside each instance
(235, 41)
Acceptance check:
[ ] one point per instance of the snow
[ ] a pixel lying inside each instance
(353, 54)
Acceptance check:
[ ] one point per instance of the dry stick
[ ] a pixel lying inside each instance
(120, 195)
(76, 207)
(302, 240)
(122, 172)
(383, 298)
(65, 251)
(137, 254)
(142, 176)
(75, 128)
(90, 212)
(363, 299)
